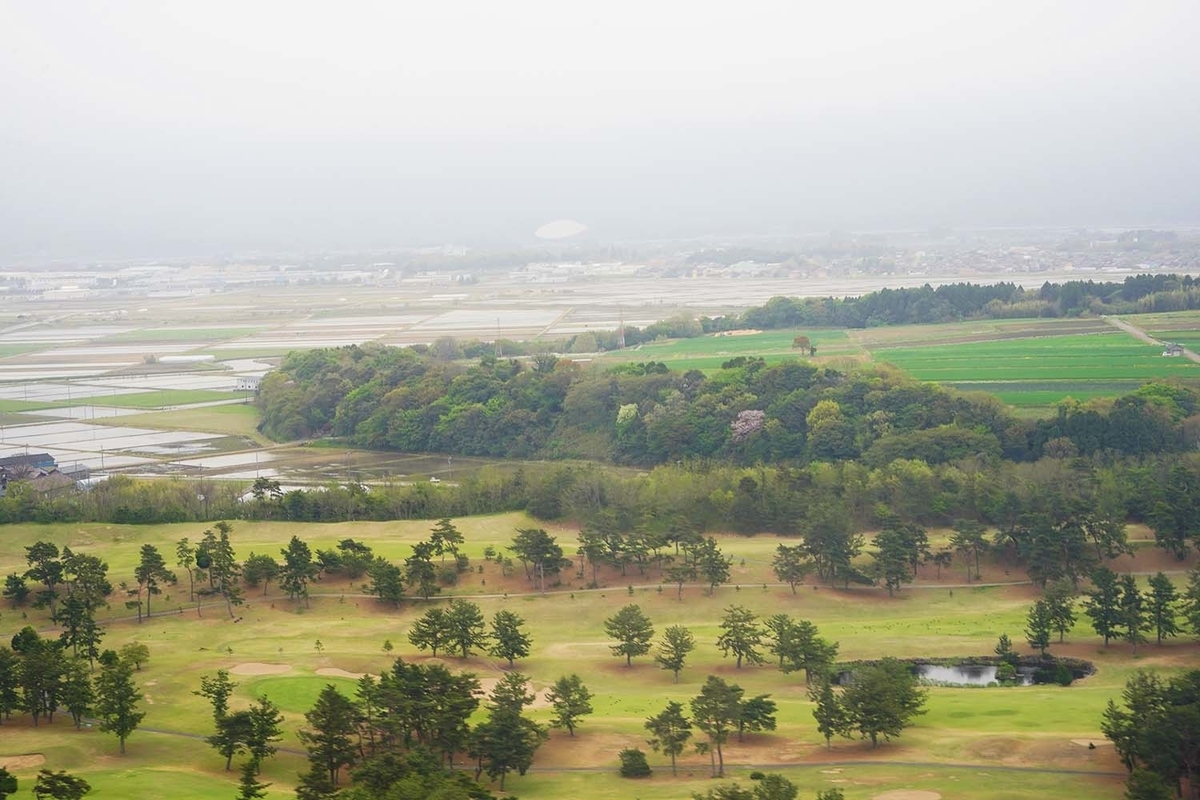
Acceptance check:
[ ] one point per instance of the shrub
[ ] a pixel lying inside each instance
(633, 763)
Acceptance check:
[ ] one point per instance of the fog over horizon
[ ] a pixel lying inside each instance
(154, 129)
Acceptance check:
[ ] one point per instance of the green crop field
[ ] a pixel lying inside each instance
(707, 353)
(160, 399)
(1034, 737)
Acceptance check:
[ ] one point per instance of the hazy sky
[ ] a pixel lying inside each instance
(192, 127)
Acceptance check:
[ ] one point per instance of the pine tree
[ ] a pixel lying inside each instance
(669, 731)
(829, 713)
(1038, 626)
(1161, 606)
(1103, 604)
(116, 701)
(632, 630)
(570, 700)
(508, 637)
(673, 649)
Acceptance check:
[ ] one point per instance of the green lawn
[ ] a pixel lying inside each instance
(965, 733)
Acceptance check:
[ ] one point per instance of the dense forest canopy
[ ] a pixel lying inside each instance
(646, 414)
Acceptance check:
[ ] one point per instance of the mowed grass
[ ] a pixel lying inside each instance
(965, 733)
(160, 399)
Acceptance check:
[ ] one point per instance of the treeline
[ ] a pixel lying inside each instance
(1027, 502)
(645, 414)
(1139, 294)
(957, 301)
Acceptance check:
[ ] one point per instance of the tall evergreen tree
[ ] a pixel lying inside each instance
(508, 638)
(1103, 604)
(669, 731)
(740, 635)
(1060, 600)
(151, 571)
(298, 570)
(330, 735)
(569, 700)
(828, 711)
(673, 649)
(633, 631)
(1038, 626)
(1161, 607)
(715, 711)
(116, 701)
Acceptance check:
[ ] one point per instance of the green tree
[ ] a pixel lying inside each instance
(791, 565)
(134, 654)
(1038, 624)
(445, 538)
(298, 570)
(1132, 612)
(633, 763)
(266, 728)
(185, 557)
(216, 555)
(151, 571)
(249, 787)
(1103, 604)
(8, 783)
(891, 564)
(715, 711)
(828, 711)
(969, 540)
(10, 683)
(633, 631)
(464, 624)
(539, 553)
(673, 649)
(711, 563)
(330, 735)
(260, 568)
(16, 592)
(419, 572)
(881, 700)
(669, 731)
(756, 714)
(59, 786)
(77, 692)
(679, 573)
(508, 740)
(774, 786)
(740, 635)
(1161, 607)
(217, 690)
(231, 736)
(1191, 601)
(116, 701)
(45, 567)
(386, 581)
(431, 630)
(1060, 600)
(569, 701)
(508, 639)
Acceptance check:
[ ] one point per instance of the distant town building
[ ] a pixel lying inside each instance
(1173, 350)
(247, 384)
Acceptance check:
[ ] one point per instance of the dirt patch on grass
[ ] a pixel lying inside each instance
(1099, 741)
(27, 761)
(908, 794)
(334, 672)
(256, 668)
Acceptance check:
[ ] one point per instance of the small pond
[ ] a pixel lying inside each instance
(968, 674)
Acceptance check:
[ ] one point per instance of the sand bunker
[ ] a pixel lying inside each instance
(27, 761)
(334, 672)
(908, 794)
(254, 668)
(539, 695)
